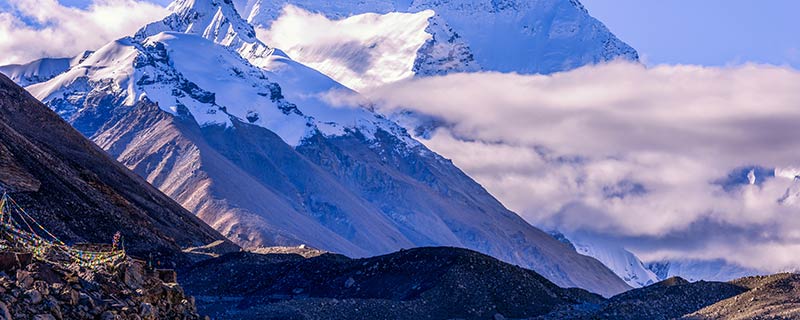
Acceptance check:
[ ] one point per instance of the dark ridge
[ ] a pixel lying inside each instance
(668, 299)
(673, 281)
(421, 283)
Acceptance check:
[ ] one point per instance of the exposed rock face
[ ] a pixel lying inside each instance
(302, 250)
(445, 52)
(422, 283)
(216, 20)
(122, 291)
(80, 194)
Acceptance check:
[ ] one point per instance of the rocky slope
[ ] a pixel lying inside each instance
(44, 291)
(78, 192)
(668, 299)
(422, 283)
(769, 297)
(759, 297)
(259, 154)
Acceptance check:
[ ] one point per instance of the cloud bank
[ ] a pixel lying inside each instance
(360, 51)
(45, 28)
(656, 158)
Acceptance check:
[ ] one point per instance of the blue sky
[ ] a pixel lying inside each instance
(705, 32)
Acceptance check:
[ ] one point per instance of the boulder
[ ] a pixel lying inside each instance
(24, 279)
(33, 296)
(148, 312)
(167, 275)
(4, 314)
(133, 274)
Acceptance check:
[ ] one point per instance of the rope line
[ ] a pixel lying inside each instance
(51, 250)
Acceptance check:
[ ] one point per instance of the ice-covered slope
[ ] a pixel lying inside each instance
(636, 273)
(622, 262)
(462, 35)
(256, 154)
(696, 270)
(41, 70)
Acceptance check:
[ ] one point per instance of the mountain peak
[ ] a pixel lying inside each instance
(215, 20)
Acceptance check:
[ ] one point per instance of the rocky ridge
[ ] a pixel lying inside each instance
(420, 283)
(447, 283)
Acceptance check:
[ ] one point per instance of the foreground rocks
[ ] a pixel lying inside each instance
(44, 291)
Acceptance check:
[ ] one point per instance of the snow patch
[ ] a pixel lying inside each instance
(622, 262)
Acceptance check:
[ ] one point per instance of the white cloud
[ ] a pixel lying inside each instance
(629, 152)
(359, 51)
(61, 31)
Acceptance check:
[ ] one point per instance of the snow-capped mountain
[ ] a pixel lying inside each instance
(696, 270)
(237, 133)
(215, 20)
(637, 273)
(465, 35)
(41, 70)
(624, 263)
